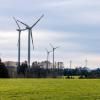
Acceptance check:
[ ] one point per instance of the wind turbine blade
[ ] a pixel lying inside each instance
(23, 29)
(32, 40)
(16, 22)
(37, 21)
(23, 23)
(57, 47)
(18, 42)
(50, 51)
(51, 45)
(46, 49)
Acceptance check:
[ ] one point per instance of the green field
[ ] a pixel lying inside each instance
(49, 89)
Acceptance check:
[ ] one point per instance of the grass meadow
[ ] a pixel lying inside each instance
(49, 89)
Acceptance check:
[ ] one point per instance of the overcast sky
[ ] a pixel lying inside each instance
(74, 25)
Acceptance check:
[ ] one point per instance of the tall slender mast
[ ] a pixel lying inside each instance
(19, 48)
(54, 48)
(70, 68)
(70, 64)
(47, 58)
(48, 52)
(86, 61)
(19, 38)
(29, 48)
(53, 58)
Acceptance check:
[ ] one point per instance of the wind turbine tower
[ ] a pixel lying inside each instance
(19, 39)
(48, 52)
(86, 62)
(70, 64)
(29, 28)
(53, 50)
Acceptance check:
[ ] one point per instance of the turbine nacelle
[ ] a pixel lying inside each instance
(20, 30)
(27, 27)
(54, 48)
(48, 51)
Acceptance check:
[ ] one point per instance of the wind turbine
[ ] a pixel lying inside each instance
(29, 28)
(54, 48)
(70, 64)
(19, 39)
(48, 52)
(86, 62)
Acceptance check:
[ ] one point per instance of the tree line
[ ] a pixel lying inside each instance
(36, 71)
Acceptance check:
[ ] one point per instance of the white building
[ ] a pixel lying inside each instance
(12, 68)
(43, 64)
(10, 63)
